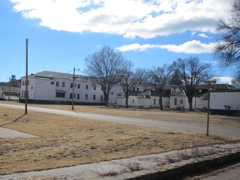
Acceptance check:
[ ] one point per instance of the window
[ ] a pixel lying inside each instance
(181, 101)
(154, 101)
(63, 84)
(112, 93)
(78, 96)
(86, 97)
(60, 94)
(94, 87)
(71, 85)
(87, 86)
(137, 89)
(78, 86)
(101, 98)
(133, 101)
(70, 96)
(175, 101)
(52, 83)
(31, 87)
(23, 83)
(57, 83)
(133, 88)
(94, 97)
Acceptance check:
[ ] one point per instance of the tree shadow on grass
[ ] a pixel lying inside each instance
(15, 120)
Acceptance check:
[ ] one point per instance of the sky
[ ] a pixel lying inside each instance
(149, 33)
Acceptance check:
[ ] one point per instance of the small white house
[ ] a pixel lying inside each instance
(178, 99)
(144, 99)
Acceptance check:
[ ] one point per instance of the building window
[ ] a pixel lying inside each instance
(101, 98)
(31, 87)
(63, 84)
(78, 86)
(86, 97)
(137, 89)
(112, 93)
(94, 97)
(71, 85)
(154, 101)
(52, 83)
(23, 83)
(133, 88)
(133, 101)
(94, 87)
(175, 101)
(87, 86)
(78, 96)
(60, 94)
(70, 96)
(181, 101)
(57, 83)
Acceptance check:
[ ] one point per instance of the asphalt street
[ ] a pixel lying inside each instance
(169, 125)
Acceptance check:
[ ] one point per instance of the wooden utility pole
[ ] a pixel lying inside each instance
(73, 88)
(26, 82)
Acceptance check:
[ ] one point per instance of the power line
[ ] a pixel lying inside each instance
(49, 54)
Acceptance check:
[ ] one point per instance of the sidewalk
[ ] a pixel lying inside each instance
(146, 166)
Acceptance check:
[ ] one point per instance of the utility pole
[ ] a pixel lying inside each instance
(73, 88)
(9, 86)
(26, 83)
(209, 86)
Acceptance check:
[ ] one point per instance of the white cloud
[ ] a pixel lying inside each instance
(203, 35)
(226, 79)
(190, 47)
(129, 18)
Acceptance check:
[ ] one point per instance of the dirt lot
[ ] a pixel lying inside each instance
(66, 141)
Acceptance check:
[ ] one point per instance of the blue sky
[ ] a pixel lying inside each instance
(150, 33)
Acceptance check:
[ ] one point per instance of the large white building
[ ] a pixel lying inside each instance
(55, 87)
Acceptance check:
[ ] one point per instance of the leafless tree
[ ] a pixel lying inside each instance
(159, 77)
(104, 66)
(192, 73)
(130, 79)
(228, 48)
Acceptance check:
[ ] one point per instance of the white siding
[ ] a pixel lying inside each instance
(46, 89)
(218, 100)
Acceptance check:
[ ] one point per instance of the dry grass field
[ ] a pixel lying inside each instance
(156, 114)
(67, 141)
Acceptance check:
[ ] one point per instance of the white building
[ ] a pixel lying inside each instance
(225, 100)
(50, 87)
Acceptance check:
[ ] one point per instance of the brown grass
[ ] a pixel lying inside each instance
(66, 141)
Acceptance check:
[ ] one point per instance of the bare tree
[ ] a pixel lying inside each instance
(160, 77)
(229, 46)
(130, 80)
(192, 73)
(104, 66)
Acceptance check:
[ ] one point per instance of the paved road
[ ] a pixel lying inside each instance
(198, 128)
(227, 173)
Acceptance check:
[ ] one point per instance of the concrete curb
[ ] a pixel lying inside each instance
(165, 165)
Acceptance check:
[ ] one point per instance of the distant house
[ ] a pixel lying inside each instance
(144, 99)
(9, 93)
(174, 97)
